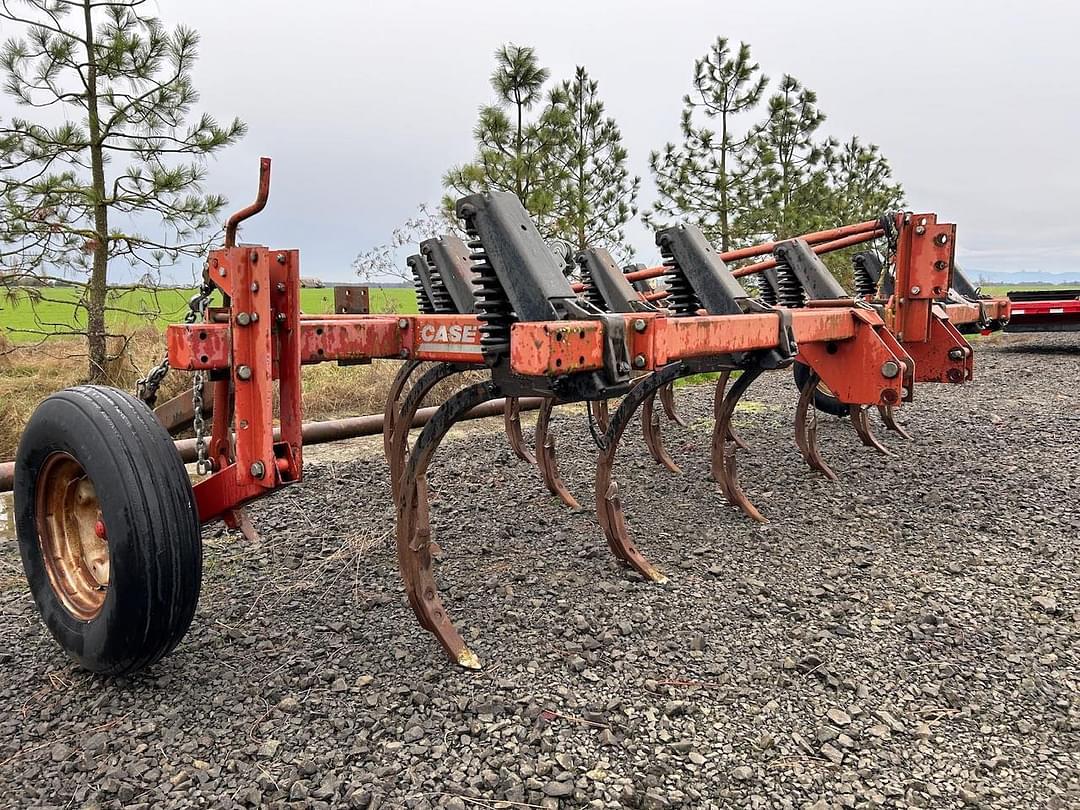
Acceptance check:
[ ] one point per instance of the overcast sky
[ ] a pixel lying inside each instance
(363, 105)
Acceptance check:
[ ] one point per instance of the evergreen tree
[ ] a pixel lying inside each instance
(512, 152)
(861, 182)
(703, 178)
(596, 196)
(78, 194)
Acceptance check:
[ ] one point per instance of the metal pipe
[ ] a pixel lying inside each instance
(824, 247)
(871, 225)
(257, 206)
(330, 431)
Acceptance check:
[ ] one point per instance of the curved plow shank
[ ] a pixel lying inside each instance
(888, 416)
(654, 440)
(390, 411)
(512, 424)
(545, 456)
(862, 427)
(728, 477)
(667, 399)
(399, 441)
(718, 439)
(601, 414)
(413, 533)
(608, 504)
(806, 429)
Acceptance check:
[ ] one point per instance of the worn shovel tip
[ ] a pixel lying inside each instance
(467, 659)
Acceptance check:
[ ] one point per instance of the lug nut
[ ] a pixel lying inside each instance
(639, 361)
(889, 369)
(639, 325)
(244, 372)
(258, 469)
(243, 318)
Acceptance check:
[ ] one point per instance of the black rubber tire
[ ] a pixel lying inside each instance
(148, 508)
(826, 403)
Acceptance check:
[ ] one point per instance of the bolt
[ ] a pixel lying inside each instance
(956, 354)
(243, 318)
(281, 258)
(403, 323)
(254, 317)
(258, 469)
(221, 272)
(940, 265)
(280, 287)
(403, 354)
(920, 229)
(639, 325)
(244, 372)
(916, 290)
(254, 257)
(639, 361)
(282, 317)
(254, 286)
(889, 369)
(623, 368)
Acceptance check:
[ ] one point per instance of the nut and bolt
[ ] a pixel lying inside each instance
(920, 229)
(623, 368)
(280, 287)
(244, 372)
(403, 323)
(889, 369)
(916, 290)
(403, 354)
(243, 318)
(639, 361)
(281, 258)
(956, 354)
(254, 286)
(221, 272)
(258, 469)
(254, 257)
(282, 317)
(639, 325)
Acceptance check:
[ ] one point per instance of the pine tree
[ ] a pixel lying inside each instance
(78, 195)
(861, 183)
(512, 152)
(702, 179)
(596, 196)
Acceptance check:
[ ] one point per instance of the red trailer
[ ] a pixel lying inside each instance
(1044, 311)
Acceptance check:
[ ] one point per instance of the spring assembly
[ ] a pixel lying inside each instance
(424, 304)
(492, 306)
(590, 293)
(790, 292)
(766, 293)
(440, 296)
(865, 286)
(681, 300)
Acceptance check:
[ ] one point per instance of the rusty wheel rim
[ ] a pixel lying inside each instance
(74, 545)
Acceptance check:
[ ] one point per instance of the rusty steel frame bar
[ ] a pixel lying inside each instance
(324, 432)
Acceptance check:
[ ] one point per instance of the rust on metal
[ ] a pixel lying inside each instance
(260, 203)
(806, 423)
(546, 458)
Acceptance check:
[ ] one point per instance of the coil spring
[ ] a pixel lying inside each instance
(423, 302)
(865, 286)
(681, 299)
(590, 293)
(492, 306)
(440, 296)
(766, 293)
(789, 291)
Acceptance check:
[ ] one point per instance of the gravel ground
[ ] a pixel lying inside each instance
(905, 638)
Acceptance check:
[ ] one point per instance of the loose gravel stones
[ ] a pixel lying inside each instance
(907, 637)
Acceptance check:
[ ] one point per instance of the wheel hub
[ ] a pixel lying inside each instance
(73, 537)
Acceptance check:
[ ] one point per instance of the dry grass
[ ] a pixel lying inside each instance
(28, 374)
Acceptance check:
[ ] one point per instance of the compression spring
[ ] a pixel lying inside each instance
(865, 286)
(766, 293)
(440, 296)
(590, 293)
(492, 306)
(681, 299)
(423, 302)
(789, 291)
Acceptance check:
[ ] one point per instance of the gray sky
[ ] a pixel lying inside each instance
(364, 105)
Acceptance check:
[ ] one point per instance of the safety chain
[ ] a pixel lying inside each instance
(147, 387)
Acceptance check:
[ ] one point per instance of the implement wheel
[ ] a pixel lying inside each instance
(824, 399)
(108, 529)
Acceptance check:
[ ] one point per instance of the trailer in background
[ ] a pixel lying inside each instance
(1044, 311)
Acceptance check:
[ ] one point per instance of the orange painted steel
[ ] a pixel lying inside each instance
(820, 248)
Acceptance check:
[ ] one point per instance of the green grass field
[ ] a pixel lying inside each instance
(24, 319)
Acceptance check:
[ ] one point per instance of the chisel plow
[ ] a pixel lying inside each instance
(498, 304)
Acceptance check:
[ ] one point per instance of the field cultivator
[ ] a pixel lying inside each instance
(109, 523)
